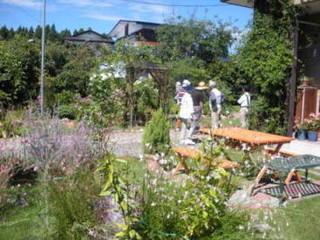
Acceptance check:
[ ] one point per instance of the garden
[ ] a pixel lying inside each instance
(62, 176)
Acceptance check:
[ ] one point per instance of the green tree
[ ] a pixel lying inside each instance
(186, 38)
(19, 67)
(76, 72)
(4, 33)
(266, 72)
(135, 59)
(156, 137)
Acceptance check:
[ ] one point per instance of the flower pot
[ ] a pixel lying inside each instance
(301, 134)
(313, 136)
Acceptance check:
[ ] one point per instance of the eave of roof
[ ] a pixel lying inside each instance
(89, 40)
(132, 21)
(243, 3)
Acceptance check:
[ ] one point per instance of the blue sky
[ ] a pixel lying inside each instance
(102, 15)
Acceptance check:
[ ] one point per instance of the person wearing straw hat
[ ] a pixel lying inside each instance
(197, 97)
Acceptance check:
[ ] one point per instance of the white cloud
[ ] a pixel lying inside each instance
(101, 16)
(86, 3)
(152, 9)
(151, 12)
(24, 3)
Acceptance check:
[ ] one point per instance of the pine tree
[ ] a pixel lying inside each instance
(156, 137)
(4, 32)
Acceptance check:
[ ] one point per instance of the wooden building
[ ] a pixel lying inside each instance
(136, 31)
(91, 38)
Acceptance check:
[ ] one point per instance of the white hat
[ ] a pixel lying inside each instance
(178, 83)
(212, 83)
(186, 83)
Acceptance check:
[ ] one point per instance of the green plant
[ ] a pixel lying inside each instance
(156, 137)
(266, 71)
(312, 123)
(122, 193)
(71, 204)
(67, 111)
(10, 129)
(147, 98)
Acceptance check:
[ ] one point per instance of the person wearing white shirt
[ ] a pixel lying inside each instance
(186, 115)
(215, 100)
(244, 101)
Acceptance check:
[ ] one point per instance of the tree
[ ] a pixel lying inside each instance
(135, 59)
(156, 137)
(266, 72)
(4, 33)
(205, 40)
(19, 67)
(76, 72)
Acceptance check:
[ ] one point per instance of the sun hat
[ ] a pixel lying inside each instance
(186, 83)
(201, 86)
(212, 83)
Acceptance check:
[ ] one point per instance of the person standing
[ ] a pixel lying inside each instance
(215, 100)
(186, 113)
(197, 98)
(244, 101)
(180, 91)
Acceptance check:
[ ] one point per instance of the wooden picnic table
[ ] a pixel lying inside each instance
(238, 136)
(185, 152)
(256, 140)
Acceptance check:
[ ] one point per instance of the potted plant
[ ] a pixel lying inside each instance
(313, 126)
(302, 131)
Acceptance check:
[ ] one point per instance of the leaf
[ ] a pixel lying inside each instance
(121, 160)
(105, 193)
(132, 233)
(213, 193)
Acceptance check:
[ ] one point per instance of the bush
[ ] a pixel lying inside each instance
(156, 137)
(67, 111)
(71, 203)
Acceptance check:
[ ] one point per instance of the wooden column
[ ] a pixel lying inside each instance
(292, 83)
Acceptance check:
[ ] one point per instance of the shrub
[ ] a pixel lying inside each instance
(188, 207)
(71, 204)
(156, 137)
(67, 111)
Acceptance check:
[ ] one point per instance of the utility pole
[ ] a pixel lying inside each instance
(42, 57)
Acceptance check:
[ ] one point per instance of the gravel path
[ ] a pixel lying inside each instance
(129, 142)
(126, 142)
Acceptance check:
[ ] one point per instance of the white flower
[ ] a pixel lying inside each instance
(153, 204)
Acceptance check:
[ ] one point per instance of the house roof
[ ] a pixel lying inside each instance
(311, 6)
(244, 3)
(118, 31)
(90, 36)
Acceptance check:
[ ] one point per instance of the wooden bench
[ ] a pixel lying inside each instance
(283, 153)
(185, 152)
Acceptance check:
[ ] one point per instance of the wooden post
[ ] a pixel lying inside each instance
(130, 75)
(292, 80)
